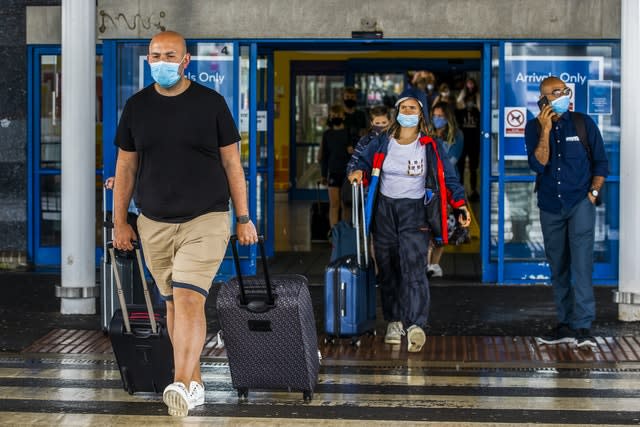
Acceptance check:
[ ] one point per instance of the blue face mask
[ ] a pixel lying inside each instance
(439, 122)
(561, 105)
(408, 121)
(165, 73)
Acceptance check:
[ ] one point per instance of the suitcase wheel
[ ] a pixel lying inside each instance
(329, 340)
(243, 393)
(307, 396)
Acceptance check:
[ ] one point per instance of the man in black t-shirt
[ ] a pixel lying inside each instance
(178, 149)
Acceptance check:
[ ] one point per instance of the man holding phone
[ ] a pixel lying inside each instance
(570, 176)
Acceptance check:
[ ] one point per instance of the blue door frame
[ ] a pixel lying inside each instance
(41, 256)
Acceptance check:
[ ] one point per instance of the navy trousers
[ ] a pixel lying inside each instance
(401, 254)
(568, 244)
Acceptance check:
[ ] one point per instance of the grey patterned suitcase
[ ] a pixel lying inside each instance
(269, 331)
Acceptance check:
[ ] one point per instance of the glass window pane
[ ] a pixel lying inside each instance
(50, 107)
(522, 234)
(607, 227)
(523, 240)
(495, 112)
(50, 210)
(581, 67)
(379, 88)
(261, 89)
(50, 146)
(262, 218)
(211, 65)
(314, 96)
(99, 211)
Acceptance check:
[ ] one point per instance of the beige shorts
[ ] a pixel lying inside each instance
(185, 255)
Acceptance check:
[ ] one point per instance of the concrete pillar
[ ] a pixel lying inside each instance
(629, 267)
(78, 263)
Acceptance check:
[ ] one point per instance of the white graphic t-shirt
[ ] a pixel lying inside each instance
(403, 171)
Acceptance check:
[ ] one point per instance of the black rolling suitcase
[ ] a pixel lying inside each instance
(127, 267)
(269, 331)
(140, 341)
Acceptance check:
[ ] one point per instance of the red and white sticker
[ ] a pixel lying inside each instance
(515, 119)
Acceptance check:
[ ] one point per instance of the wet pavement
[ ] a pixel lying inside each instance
(29, 310)
(480, 366)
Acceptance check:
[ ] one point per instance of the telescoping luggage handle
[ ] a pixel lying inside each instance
(357, 213)
(145, 288)
(255, 306)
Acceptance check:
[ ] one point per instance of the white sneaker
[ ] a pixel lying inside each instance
(394, 333)
(177, 397)
(196, 392)
(415, 338)
(434, 270)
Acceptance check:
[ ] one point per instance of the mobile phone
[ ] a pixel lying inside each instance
(542, 102)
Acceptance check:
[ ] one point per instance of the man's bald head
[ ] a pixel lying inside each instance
(550, 83)
(168, 40)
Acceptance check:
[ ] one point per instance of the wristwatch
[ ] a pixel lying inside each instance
(243, 219)
(594, 193)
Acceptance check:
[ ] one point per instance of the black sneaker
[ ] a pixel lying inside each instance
(561, 334)
(585, 340)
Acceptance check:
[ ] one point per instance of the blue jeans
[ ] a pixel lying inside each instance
(568, 244)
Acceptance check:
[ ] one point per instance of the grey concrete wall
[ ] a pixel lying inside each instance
(44, 25)
(504, 19)
(13, 124)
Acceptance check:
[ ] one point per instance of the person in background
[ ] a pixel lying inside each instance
(336, 149)
(355, 120)
(445, 95)
(470, 93)
(570, 176)
(426, 82)
(380, 121)
(468, 115)
(452, 139)
(399, 227)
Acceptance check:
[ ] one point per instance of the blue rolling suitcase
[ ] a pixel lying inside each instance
(350, 286)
